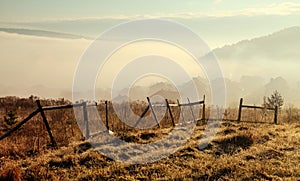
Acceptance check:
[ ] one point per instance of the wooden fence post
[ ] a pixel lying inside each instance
(150, 105)
(191, 108)
(171, 115)
(86, 122)
(143, 114)
(106, 115)
(46, 123)
(275, 114)
(20, 124)
(203, 107)
(180, 110)
(240, 111)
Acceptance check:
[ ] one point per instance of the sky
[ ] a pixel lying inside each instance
(218, 22)
(32, 10)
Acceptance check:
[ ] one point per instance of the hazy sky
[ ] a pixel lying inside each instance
(32, 10)
(218, 22)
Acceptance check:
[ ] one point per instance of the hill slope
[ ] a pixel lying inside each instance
(283, 45)
(238, 152)
(42, 33)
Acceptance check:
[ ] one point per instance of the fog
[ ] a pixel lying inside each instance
(28, 61)
(46, 66)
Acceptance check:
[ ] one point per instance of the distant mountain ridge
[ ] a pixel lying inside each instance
(283, 45)
(42, 33)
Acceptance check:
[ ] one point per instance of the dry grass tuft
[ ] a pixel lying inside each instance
(11, 174)
(147, 136)
(81, 148)
(234, 144)
(270, 154)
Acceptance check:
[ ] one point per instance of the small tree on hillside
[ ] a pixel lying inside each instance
(274, 100)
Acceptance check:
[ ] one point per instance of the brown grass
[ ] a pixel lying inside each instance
(10, 174)
(245, 151)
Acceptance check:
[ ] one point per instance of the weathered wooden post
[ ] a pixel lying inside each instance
(86, 122)
(203, 107)
(143, 114)
(180, 113)
(191, 108)
(20, 124)
(240, 111)
(106, 115)
(171, 115)
(275, 114)
(40, 108)
(152, 110)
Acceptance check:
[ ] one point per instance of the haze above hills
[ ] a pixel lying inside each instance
(253, 68)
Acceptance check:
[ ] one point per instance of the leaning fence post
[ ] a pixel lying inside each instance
(86, 123)
(152, 110)
(20, 124)
(141, 117)
(106, 115)
(46, 123)
(203, 107)
(171, 115)
(240, 110)
(275, 114)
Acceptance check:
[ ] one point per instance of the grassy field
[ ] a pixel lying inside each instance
(244, 151)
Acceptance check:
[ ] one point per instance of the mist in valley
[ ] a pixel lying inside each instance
(45, 66)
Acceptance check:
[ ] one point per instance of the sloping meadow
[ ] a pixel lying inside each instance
(244, 151)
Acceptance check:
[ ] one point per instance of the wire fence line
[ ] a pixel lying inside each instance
(149, 107)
